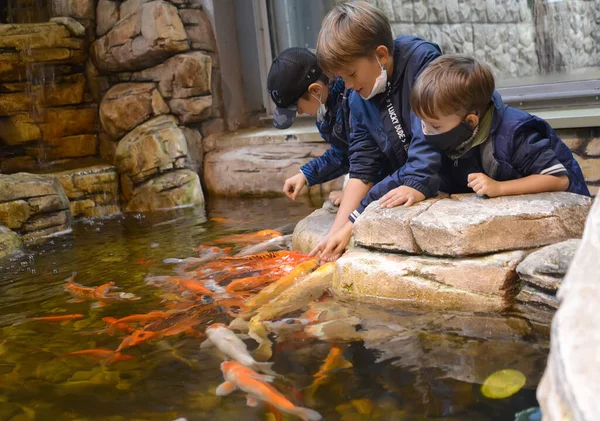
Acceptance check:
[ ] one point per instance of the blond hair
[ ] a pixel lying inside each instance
(452, 84)
(351, 31)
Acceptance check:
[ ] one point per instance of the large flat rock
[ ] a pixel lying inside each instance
(475, 284)
(259, 170)
(389, 229)
(468, 225)
(570, 387)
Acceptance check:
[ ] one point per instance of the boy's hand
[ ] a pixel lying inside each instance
(335, 197)
(337, 244)
(319, 247)
(402, 195)
(484, 185)
(294, 185)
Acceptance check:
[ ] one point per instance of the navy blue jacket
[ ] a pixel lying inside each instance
(518, 145)
(386, 143)
(334, 129)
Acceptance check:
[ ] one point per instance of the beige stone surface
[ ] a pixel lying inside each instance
(310, 230)
(156, 146)
(79, 9)
(174, 189)
(478, 284)
(65, 147)
(107, 16)
(546, 267)
(468, 225)
(570, 387)
(127, 105)
(259, 170)
(9, 241)
(389, 229)
(590, 168)
(143, 39)
(14, 214)
(199, 29)
(181, 76)
(192, 110)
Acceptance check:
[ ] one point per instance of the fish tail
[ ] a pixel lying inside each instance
(306, 414)
(265, 368)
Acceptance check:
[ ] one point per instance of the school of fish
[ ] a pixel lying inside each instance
(255, 289)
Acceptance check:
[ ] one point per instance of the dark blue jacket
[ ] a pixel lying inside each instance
(334, 129)
(518, 145)
(387, 141)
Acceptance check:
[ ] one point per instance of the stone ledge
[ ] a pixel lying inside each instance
(478, 284)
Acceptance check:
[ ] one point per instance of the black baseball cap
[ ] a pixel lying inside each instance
(290, 75)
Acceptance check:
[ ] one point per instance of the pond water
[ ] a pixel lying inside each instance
(408, 365)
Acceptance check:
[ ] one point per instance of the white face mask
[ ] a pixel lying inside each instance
(321, 111)
(380, 82)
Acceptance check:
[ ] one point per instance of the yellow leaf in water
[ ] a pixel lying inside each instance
(363, 406)
(503, 383)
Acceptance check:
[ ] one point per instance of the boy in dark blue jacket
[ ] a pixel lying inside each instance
(490, 148)
(387, 147)
(297, 85)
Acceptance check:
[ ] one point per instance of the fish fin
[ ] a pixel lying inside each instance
(243, 336)
(225, 388)
(264, 351)
(306, 414)
(251, 401)
(264, 368)
(207, 344)
(75, 300)
(263, 377)
(98, 304)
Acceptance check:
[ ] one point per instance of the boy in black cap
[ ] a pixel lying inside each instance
(297, 85)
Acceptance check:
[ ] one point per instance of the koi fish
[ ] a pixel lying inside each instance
(138, 318)
(299, 294)
(101, 293)
(106, 355)
(250, 283)
(258, 332)
(334, 361)
(276, 243)
(276, 288)
(248, 239)
(58, 319)
(229, 344)
(238, 376)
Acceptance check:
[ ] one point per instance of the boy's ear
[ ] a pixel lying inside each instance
(382, 54)
(315, 88)
(472, 120)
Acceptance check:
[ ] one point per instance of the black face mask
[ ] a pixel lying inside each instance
(451, 140)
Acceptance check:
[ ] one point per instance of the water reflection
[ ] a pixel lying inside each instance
(358, 363)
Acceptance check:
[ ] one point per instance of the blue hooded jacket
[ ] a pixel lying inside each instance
(334, 129)
(386, 143)
(519, 144)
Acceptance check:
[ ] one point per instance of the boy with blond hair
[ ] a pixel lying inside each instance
(490, 148)
(386, 145)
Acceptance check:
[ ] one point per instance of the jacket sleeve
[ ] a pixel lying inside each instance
(329, 166)
(533, 154)
(421, 171)
(365, 156)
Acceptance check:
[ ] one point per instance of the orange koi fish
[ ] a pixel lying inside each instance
(137, 318)
(81, 291)
(106, 355)
(113, 324)
(256, 385)
(58, 319)
(247, 239)
(250, 283)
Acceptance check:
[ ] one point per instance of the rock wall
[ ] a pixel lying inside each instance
(154, 71)
(570, 387)
(457, 253)
(585, 144)
(516, 37)
(47, 115)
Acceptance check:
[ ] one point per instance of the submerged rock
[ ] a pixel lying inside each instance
(9, 241)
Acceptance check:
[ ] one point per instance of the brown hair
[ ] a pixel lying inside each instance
(350, 31)
(452, 84)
